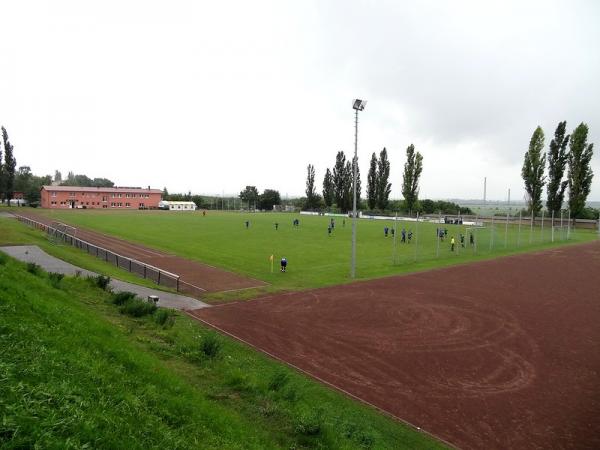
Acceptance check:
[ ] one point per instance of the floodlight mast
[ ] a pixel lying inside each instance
(358, 105)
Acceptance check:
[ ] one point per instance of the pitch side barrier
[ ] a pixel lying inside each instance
(141, 269)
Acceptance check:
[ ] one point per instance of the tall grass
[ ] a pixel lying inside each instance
(75, 372)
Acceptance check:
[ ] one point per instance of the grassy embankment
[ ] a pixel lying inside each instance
(315, 258)
(76, 373)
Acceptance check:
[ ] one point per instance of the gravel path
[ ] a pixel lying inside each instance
(32, 253)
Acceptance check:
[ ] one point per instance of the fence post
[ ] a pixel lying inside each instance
(569, 226)
(552, 226)
(519, 233)
(130, 264)
(177, 288)
(531, 227)
(492, 235)
(561, 224)
(506, 232)
(417, 239)
(158, 282)
(145, 270)
(542, 232)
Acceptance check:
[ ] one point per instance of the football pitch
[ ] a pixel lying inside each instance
(315, 257)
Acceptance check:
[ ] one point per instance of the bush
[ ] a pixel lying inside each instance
(100, 281)
(137, 308)
(211, 345)
(34, 268)
(120, 298)
(55, 279)
(164, 318)
(2, 259)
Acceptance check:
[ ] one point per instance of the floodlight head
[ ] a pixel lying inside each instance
(359, 105)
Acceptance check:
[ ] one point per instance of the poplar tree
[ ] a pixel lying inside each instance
(311, 194)
(580, 173)
(372, 183)
(412, 172)
(340, 179)
(10, 164)
(557, 162)
(383, 174)
(533, 171)
(328, 188)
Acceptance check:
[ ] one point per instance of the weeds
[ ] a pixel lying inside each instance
(34, 268)
(100, 281)
(120, 298)
(135, 307)
(278, 380)
(211, 345)
(164, 318)
(55, 279)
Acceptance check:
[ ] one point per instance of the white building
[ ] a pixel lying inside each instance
(177, 206)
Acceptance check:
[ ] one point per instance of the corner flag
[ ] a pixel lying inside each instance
(271, 259)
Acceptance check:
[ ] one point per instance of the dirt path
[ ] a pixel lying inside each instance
(206, 278)
(498, 354)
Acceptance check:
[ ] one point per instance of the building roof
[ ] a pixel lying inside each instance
(101, 189)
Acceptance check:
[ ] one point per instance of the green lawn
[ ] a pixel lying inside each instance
(315, 258)
(75, 373)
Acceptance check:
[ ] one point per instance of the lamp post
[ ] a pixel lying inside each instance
(358, 105)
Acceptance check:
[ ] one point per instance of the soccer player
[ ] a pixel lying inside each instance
(247, 223)
(403, 236)
(409, 235)
(385, 231)
(452, 244)
(283, 264)
(276, 225)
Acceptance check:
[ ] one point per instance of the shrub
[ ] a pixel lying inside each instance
(55, 278)
(137, 308)
(2, 259)
(278, 380)
(211, 345)
(164, 317)
(100, 281)
(33, 268)
(121, 298)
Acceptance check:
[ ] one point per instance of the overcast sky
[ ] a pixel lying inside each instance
(212, 96)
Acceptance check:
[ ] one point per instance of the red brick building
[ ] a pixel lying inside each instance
(92, 197)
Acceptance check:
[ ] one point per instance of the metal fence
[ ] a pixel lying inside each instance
(139, 268)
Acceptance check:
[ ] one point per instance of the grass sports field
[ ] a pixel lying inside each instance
(315, 258)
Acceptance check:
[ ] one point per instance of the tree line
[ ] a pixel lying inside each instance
(575, 160)
(338, 189)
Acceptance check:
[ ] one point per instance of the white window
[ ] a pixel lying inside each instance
(53, 193)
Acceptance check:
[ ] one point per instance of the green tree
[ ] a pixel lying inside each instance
(250, 196)
(102, 182)
(372, 183)
(383, 174)
(580, 172)
(2, 175)
(557, 162)
(10, 164)
(533, 171)
(340, 179)
(348, 196)
(57, 176)
(269, 198)
(328, 189)
(413, 167)
(312, 198)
